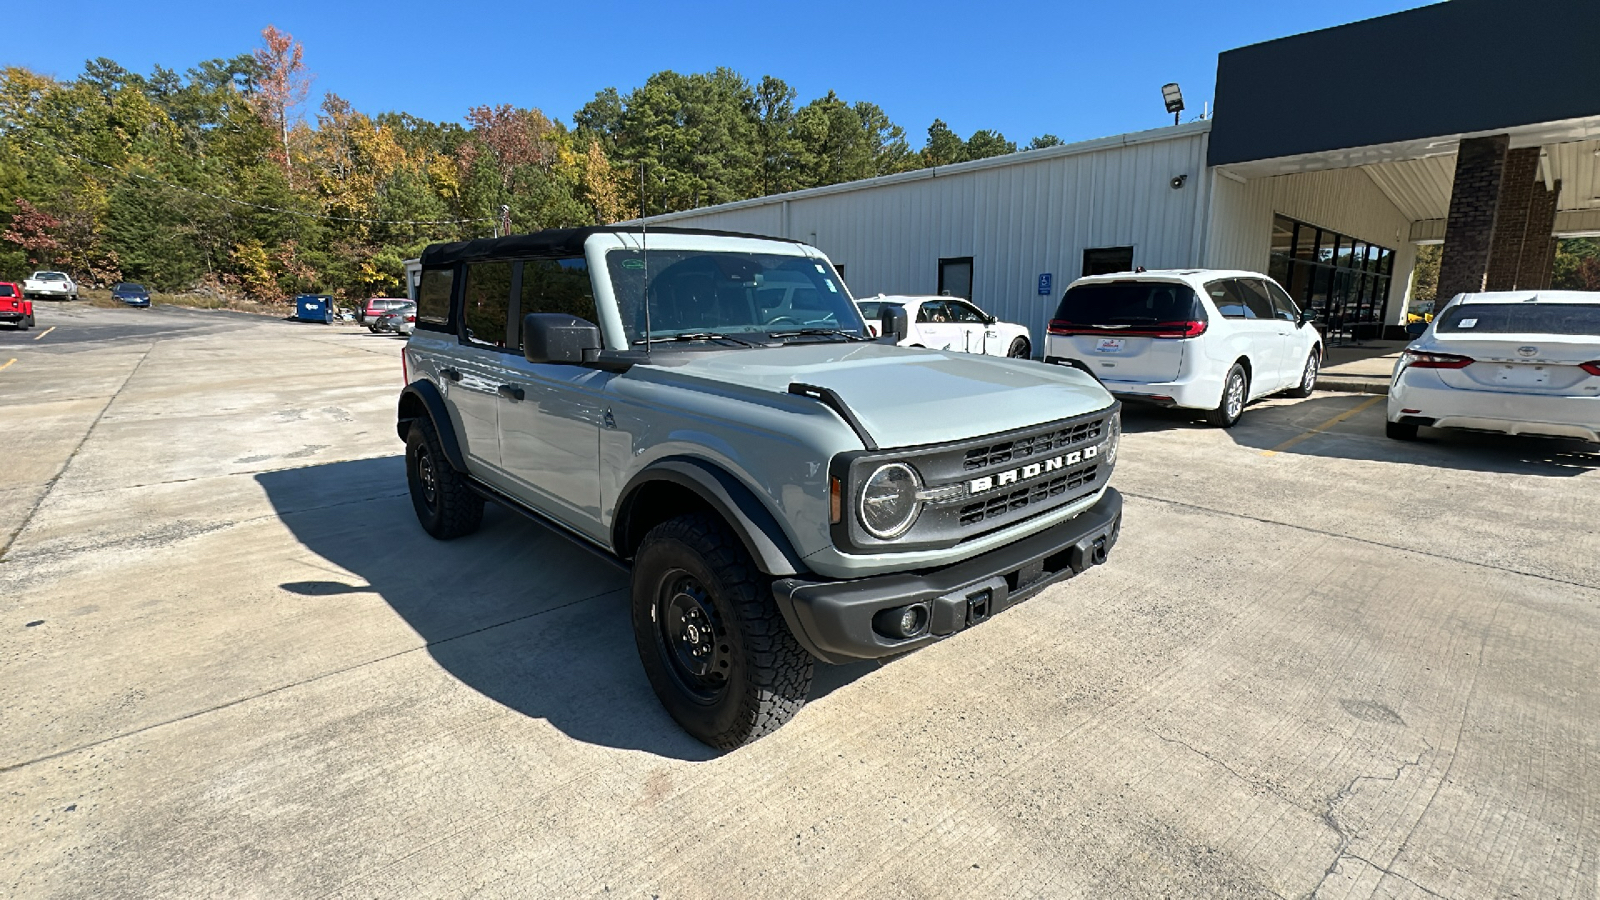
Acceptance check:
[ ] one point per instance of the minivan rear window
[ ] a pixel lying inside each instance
(1129, 303)
(1521, 318)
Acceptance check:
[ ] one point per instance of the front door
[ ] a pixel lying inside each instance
(551, 415)
(980, 338)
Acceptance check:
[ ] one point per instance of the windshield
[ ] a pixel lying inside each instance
(724, 292)
(1129, 303)
(128, 286)
(1521, 318)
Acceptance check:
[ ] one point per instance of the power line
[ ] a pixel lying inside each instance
(260, 206)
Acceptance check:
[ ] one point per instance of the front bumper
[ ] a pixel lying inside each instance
(833, 620)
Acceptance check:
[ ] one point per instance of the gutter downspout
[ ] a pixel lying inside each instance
(1200, 237)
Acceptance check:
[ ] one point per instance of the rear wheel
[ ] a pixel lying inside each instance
(1308, 375)
(1401, 431)
(1018, 349)
(1235, 388)
(445, 506)
(713, 643)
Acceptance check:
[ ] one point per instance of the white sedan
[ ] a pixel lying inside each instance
(49, 286)
(1516, 362)
(951, 323)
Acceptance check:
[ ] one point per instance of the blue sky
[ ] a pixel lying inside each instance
(1076, 69)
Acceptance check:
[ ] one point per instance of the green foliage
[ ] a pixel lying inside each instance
(1425, 277)
(213, 177)
(1577, 266)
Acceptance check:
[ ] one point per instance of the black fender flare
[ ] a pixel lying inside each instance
(427, 393)
(750, 519)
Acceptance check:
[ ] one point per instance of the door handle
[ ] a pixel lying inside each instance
(510, 392)
(452, 374)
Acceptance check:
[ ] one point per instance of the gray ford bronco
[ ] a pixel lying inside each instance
(711, 409)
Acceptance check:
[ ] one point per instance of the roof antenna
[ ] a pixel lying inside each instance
(644, 248)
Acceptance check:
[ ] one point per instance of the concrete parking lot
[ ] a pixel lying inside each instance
(1320, 664)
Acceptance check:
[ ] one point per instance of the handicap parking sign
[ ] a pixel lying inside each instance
(1044, 284)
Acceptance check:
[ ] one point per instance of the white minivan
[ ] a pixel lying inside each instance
(1206, 339)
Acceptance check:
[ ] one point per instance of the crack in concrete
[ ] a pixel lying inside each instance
(1345, 837)
(1362, 540)
(1253, 783)
(1394, 874)
(50, 485)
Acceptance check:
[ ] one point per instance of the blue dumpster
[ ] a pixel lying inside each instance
(314, 308)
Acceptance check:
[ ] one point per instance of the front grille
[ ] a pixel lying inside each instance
(1033, 445)
(1029, 495)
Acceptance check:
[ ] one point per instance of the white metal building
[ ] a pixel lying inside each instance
(1333, 207)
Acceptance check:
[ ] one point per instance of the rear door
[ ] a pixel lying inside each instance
(1127, 330)
(481, 363)
(935, 330)
(1291, 347)
(1250, 314)
(1532, 347)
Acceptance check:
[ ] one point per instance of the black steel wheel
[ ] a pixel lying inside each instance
(715, 648)
(445, 506)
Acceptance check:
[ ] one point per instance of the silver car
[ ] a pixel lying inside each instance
(785, 487)
(399, 320)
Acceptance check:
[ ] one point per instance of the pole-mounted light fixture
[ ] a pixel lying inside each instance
(1174, 99)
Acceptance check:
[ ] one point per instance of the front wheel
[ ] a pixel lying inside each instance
(713, 643)
(1018, 349)
(1308, 376)
(1235, 388)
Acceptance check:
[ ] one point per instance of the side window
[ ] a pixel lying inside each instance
(433, 298)
(1282, 305)
(1228, 299)
(556, 286)
(486, 301)
(963, 312)
(1254, 297)
(932, 311)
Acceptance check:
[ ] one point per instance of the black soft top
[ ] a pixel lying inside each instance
(552, 242)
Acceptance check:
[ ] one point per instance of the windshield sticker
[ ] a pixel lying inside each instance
(1466, 323)
(831, 288)
(819, 268)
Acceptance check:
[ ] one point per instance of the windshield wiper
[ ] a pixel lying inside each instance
(826, 332)
(699, 336)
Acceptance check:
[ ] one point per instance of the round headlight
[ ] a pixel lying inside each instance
(889, 501)
(1114, 439)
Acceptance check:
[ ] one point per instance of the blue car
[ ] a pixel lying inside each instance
(130, 294)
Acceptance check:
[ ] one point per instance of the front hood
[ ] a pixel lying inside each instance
(905, 396)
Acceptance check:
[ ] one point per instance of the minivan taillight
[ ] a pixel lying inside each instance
(1187, 329)
(1418, 359)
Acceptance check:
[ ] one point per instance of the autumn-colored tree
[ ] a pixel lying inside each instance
(602, 183)
(281, 86)
(33, 230)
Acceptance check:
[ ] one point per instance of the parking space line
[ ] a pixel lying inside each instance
(8, 364)
(1324, 426)
(44, 332)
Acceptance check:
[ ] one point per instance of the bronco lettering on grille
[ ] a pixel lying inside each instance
(1032, 470)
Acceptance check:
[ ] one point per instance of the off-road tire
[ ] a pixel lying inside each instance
(27, 322)
(1401, 431)
(1235, 393)
(1018, 349)
(768, 674)
(1308, 376)
(450, 509)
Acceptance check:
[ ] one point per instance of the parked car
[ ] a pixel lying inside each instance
(131, 294)
(15, 309)
(377, 306)
(399, 320)
(49, 286)
(1203, 339)
(784, 487)
(1517, 362)
(951, 323)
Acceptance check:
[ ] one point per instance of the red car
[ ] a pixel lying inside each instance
(15, 308)
(377, 306)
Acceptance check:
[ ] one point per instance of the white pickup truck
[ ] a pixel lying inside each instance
(49, 286)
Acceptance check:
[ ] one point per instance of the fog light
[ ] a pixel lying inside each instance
(901, 621)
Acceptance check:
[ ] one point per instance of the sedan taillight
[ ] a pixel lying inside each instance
(1417, 359)
(411, 318)
(1593, 368)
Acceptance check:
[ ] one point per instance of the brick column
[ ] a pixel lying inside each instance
(1539, 243)
(1517, 184)
(1469, 232)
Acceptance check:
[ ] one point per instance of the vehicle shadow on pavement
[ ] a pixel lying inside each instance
(1281, 424)
(516, 611)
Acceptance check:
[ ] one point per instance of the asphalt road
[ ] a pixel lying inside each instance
(58, 323)
(1320, 663)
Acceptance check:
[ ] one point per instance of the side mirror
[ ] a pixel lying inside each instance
(990, 320)
(893, 324)
(558, 338)
(1307, 316)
